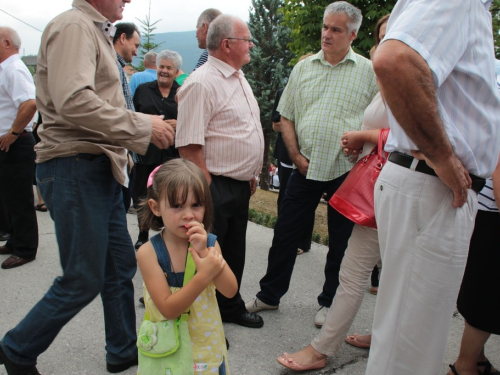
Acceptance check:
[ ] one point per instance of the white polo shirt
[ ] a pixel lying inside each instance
(455, 39)
(16, 86)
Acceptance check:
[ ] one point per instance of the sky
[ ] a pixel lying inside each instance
(179, 15)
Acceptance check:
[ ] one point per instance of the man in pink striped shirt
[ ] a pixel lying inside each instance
(219, 129)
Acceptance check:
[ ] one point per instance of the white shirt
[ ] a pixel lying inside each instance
(16, 87)
(455, 39)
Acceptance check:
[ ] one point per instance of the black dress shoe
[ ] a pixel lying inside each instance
(4, 236)
(4, 250)
(248, 319)
(139, 243)
(13, 369)
(122, 366)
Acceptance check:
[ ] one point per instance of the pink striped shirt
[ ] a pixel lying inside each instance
(217, 109)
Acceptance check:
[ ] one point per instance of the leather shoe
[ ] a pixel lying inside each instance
(248, 319)
(13, 369)
(112, 368)
(4, 236)
(14, 261)
(4, 250)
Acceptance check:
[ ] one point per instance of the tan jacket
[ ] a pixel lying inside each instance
(79, 93)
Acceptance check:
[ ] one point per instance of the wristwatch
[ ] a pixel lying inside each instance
(14, 133)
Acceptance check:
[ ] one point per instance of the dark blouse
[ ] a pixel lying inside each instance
(149, 99)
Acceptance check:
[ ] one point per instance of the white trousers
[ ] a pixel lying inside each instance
(424, 243)
(361, 255)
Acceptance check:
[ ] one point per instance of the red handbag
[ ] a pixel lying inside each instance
(354, 198)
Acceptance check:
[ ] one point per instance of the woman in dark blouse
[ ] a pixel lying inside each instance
(156, 98)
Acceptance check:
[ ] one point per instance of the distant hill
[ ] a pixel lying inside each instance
(184, 43)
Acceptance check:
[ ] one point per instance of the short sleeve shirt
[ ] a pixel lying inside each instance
(324, 101)
(16, 87)
(455, 39)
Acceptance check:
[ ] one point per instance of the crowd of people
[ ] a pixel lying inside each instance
(183, 151)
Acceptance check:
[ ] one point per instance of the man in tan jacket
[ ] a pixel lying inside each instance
(82, 163)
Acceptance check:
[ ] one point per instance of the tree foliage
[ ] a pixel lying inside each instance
(495, 12)
(269, 68)
(147, 27)
(305, 18)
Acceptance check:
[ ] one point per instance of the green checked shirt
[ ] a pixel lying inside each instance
(324, 101)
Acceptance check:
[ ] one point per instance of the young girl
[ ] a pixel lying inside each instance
(179, 203)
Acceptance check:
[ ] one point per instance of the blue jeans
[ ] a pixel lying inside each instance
(97, 256)
(299, 204)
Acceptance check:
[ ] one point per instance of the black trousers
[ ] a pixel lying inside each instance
(301, 199)
(231, 199)
(304, 241)
(140, 191)
(17, 168)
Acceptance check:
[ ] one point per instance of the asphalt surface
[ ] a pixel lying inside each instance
(79, 348)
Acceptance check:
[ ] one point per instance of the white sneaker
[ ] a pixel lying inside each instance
(256, 304)
(320, 317)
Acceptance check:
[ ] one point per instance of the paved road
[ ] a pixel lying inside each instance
(79, 348)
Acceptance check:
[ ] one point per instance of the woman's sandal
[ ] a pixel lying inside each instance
(487, 368)
(287, 361)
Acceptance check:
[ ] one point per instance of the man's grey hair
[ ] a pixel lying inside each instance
(354, 14)
(170, 55)
(12, 35)
(207, 16)
(150, 58)
(221, 28)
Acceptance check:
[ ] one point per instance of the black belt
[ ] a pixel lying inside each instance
(421, 166)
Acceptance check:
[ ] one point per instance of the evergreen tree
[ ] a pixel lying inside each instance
(269, 68)
(148, 45)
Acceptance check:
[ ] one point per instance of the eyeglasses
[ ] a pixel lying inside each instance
(249, 41)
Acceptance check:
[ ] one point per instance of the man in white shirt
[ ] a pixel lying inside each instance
(436, 71)
(17, 156)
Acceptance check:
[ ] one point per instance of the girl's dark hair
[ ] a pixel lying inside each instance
(376, 33)
(173, 181)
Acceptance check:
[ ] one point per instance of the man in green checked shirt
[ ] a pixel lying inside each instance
(326, 96)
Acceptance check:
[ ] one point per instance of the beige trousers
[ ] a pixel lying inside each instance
(361, 255)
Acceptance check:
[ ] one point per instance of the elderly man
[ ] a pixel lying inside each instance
(204, 20)
(326, 96)
(17, 157)
(219, 129)
(149, 73)
(82, 165)
(444, 141)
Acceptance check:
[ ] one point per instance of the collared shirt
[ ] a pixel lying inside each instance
(455, 39)
(81, 99)
(16, 87)
(217, 109)
(324, 101)
(138, 78)
(127, 93)
(202, 60)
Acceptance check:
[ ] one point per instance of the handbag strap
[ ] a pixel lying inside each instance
(382, 138)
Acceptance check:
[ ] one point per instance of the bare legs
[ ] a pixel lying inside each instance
(471, 351)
